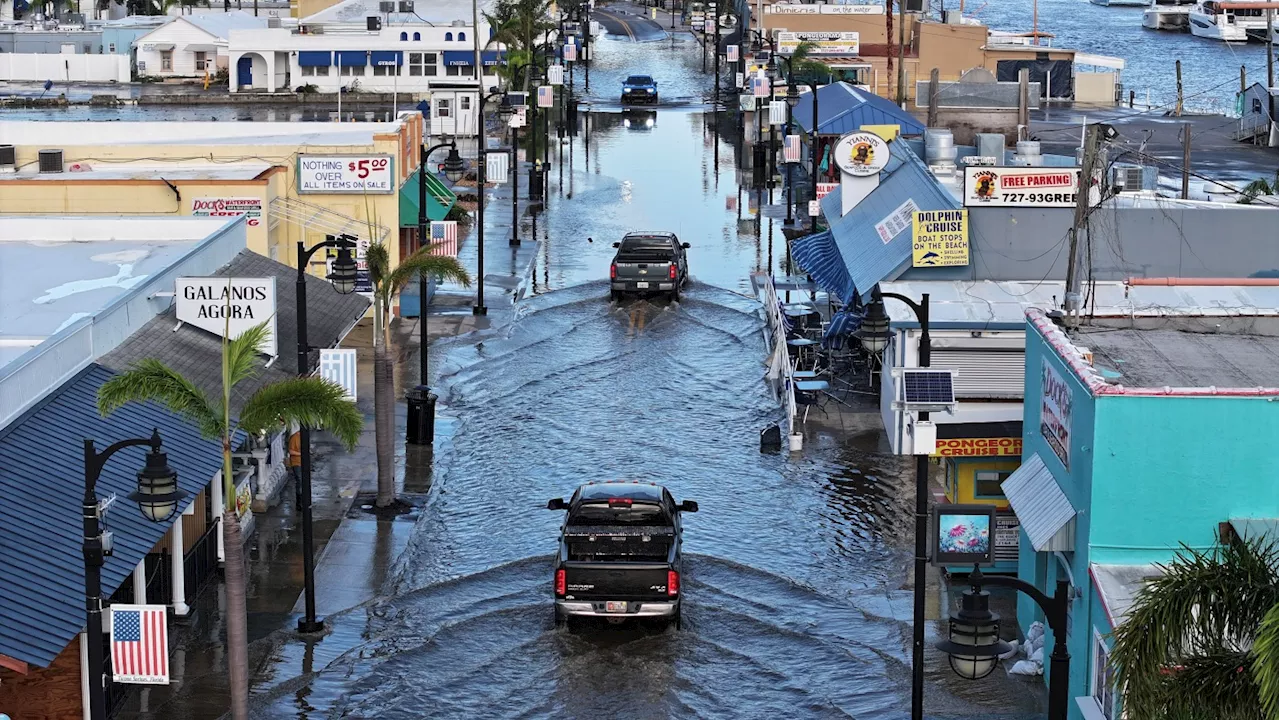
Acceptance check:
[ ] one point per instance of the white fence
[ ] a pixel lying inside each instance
(33, 67)
(781, 371)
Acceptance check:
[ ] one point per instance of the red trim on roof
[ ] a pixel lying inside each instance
(15, 665)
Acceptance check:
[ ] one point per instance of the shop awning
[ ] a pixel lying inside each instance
(201, 47)
(379, 58)
(493, 57)
(353, 58)
(1041, 506)
(458, 57)
(818, 255)
(439, 199)
(158, 47)
(315, 58)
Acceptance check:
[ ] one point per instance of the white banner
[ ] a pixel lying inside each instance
(827, 43)
(338, 365)
(206, 302)
(1020, 186)
(346, 174)
(495, 168)
(229, 207)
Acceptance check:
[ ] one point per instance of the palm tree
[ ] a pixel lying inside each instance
(520, 25)
(1183, 651)
(803, 64)
(387, 283)
(1266, 662)
(310, 401)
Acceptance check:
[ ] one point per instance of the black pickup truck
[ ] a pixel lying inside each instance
(619, 552)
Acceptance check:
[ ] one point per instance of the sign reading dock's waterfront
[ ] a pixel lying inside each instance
(345, 174)
(210, 302)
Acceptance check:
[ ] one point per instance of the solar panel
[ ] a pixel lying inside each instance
(927, 387)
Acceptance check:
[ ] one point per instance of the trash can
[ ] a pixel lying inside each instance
(421, 426)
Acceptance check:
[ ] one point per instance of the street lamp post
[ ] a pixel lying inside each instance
(343, 276)
(974, 646)
(157, 496)
(479, 308)
(874, 334)
(793, 99)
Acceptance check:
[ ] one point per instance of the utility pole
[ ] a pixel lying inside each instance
(1271, 69)
(716, 105)
(1071, 299)
(1186, 160)
(902, 70)
(933, 100)
(1177, 66)
(1242, 85)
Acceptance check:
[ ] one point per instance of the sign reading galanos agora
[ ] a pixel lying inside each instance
(210, 303)
(1020, 187)
(345, 174)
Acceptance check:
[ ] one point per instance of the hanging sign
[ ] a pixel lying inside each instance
(555, 75)
(546, 96)
(731, 52)
(815, 208)
(791, 148)
(229, 207)
(1020, 187)
(777, 112)
(897, 221)
(823, 42)
(940, 238)
(1055, 412)
(208, 302)
(570, 52)
(338, 366)
(861, 154)
(963, 534)
(343, 174)
(140, 644)
(520, 117)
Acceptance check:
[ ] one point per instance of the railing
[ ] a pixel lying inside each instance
(781, 371)
(201, 561)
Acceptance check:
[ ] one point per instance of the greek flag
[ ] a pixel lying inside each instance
(339, 366)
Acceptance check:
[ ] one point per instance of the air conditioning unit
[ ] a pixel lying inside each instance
(406, 6)
(273, 22)
(50, 161)
(373, 23)
(387, 6)
(1134, 178)
(8, 159)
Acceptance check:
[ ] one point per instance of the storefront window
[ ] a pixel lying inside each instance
(422, 64)
(986, 483)
(1103, 679)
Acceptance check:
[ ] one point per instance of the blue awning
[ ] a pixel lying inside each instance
(843, 323)
(315, 58)
(819, 256)
(353, 58)
(379, 58)
(459, 57)
(493, 57)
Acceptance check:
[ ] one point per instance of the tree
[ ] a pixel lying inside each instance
(804, 66)
(310, 401)
(521, 26)
(1192, 636)
(387, 283)
(1258, 187)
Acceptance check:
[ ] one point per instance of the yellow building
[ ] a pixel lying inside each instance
(295, 181)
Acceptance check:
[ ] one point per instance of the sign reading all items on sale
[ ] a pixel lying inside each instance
(1020, 187)
(346, 174)
(217, 304)
(940, 238)
(229, 207)
(1055, 412)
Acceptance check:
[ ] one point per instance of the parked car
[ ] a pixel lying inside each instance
(640, 88)
(648, 262)
(619, 554)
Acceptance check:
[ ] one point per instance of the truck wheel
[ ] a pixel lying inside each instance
(615, 296)
(561, 620)
(675, 294)
(675, 619)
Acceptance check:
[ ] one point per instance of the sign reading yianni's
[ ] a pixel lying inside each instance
(1021, 187)
(344, 174)
(214, 303)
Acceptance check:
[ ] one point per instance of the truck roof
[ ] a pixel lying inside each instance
(631, 490)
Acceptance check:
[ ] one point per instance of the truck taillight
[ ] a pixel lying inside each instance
(671, 271)
(560, 587)
(673, 583)
(613, 271)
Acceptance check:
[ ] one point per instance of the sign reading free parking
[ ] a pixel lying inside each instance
(346, 174)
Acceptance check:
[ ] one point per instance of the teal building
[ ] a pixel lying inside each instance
(1137, 437)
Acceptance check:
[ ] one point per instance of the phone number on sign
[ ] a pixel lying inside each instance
(1010, 197)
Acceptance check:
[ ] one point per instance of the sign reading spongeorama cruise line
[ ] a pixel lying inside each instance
(345, 174)
(1021, 186)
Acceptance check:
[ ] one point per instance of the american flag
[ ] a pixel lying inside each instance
(546, 96)
(570, 52)
(140, 644)
(791, 148)
(444, 238)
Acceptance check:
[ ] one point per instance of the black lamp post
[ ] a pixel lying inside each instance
(505, 111)
(974, 646)
(479, 308)
(343, 275)
(157, 495)
(771, 72)
(874, 335)
(793, 99)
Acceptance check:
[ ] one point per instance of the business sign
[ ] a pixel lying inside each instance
(963, 534)
(1006, 532)
(861, 154)
(825, 42)
(833, 9)
(216, 304)
(229, 207)
(824, 189)
(897, 221)
(244, 497)
(140, 644)
(815, 208)
(940, 238)
(978, 447)
(345, 174)
(338, 366)
(1021, 187)
(1055, 412)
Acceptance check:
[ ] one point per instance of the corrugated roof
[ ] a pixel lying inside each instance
(42, 483)
(1118, 585)
(1041, 506)
(844, 108)
(196, 353)
(869, 259)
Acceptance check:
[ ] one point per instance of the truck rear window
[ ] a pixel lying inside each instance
(603, 513)
(642, 249)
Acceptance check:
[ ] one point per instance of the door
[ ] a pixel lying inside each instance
(244, 72)
(444, 114)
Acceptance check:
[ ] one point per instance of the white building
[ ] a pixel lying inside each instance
(191, 45)
(424, 53)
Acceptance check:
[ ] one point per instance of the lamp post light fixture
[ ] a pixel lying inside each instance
(343, 275)
(157, 496)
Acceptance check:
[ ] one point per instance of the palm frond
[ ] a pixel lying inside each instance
(311, 401)
(423, 262)
(150, 380)
(243, 352)
(379, 260)
(1266, 663)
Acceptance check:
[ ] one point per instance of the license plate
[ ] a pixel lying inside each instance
(615, 606)
(642, 285)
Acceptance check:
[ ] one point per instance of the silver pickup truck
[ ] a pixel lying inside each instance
(648, 262)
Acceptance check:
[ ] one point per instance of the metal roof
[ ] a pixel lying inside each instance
(1185, 358)
(869, 259)
(196, 353)
(1118, 586)
(42, 483)
(1041, 506)
(845, 108)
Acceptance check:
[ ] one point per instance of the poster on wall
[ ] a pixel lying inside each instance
(1020, 187)
(963, 534)
(1055, 412)
(251, 207)
(940, 238)
(897, 221)
(821, 42)
(217, 303)
(345, 174)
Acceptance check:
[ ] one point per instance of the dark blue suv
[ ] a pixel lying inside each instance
(640, 89)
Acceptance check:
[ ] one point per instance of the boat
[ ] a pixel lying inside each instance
(1228, 21)
(1167, 14)
(1119, 3)
(1264, 35)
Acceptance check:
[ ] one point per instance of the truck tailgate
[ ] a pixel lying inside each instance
(616, 581)
(654, 270)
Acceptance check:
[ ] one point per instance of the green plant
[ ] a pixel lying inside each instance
(1258, 187)
(308, 89)
(458, 214)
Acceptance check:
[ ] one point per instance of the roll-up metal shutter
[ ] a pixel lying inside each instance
(983, 374)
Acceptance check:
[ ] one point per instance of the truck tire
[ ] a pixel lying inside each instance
(675, 619)
(615, 296)
(561, 620)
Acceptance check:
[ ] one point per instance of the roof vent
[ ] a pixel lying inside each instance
(8, 159)
(406, 6)
(273, 22)
(50, 161)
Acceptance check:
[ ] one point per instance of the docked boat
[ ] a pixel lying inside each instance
(1167, 15)
(1229, 21)
(1119, 3)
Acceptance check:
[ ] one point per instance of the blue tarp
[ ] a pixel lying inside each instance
(315, 58)
(353, 58)
(845, 108)
(386, 57)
